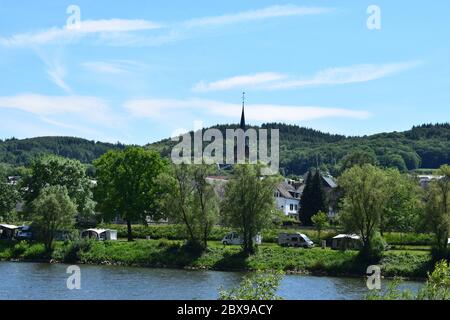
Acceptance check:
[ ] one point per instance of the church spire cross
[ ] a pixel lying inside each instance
(242, 124)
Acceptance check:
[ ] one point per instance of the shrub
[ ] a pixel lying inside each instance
(258, 286)
(18, 249)
(70, 251)
(35, 252)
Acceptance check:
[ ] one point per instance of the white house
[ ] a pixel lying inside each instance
(287, 198)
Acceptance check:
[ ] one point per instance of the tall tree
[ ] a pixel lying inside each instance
(53, 211)
(249, 204)
(126, 184)
(57, 171)
(188, 199)
(403, 204)
(437, 212)
(313, 198)
(364, 199)
(9, 196)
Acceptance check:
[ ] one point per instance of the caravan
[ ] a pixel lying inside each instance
(294, 240)
(235, 238)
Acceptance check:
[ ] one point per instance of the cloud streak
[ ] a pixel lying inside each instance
(113, 66)
(259, 14)
(87, 108)
(155, 108)
(87, 27)
(244, 81)
(331, 76)
(123, 32)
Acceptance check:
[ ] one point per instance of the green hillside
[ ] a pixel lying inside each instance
(21, 152)
(425, 146)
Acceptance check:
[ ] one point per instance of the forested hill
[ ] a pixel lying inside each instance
(425, 146)
(21, 152)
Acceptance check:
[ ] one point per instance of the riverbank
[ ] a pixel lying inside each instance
(172, 254)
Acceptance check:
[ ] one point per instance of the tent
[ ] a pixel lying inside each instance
(99, 234)
(346, 241)
(8, 231)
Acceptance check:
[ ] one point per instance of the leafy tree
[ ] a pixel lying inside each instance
(57, 171)
(358, 158)
(53, 211)
(249, 204)
(320, 221)
(393, 160)
(188, 199)
(9, 196)
(437, 206)
(403, 205)
(313, 198)
(127, 184)
(258, 286)
(364, 198)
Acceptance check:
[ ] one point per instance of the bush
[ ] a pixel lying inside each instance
(413, 239)
(259, 286)
(35, 252)
(70, 251)
(18, 249)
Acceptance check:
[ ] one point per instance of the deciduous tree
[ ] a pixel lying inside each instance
(127, 184)
(249, 204)
(53, 211)
(364, 199)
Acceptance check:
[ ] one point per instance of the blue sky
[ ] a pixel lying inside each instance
(137, 71)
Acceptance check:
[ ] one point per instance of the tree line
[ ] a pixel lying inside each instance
(425, 146)
(136, 183)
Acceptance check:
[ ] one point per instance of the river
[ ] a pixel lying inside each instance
(48, 281)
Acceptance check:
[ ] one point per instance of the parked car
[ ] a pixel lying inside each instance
(294, 240)
(24, 233)
(235, 238)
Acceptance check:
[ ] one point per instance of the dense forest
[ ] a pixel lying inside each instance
(21, 152)
(425, 146)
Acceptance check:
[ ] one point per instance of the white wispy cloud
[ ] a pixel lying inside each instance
(86, 108)
(156, 108)
(330, 76)
(113, 66)
(244, 81)
(86, 27)
(125, 32)
(344, 75)
(57, 73)
(259, 14)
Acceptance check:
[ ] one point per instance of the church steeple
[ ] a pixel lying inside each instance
(242, 125)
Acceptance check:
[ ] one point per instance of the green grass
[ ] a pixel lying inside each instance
(176, 232)
(173, 254)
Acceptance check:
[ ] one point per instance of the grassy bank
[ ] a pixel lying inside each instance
(172, 254)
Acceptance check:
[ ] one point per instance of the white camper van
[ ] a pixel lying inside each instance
(294, 240)
(235, 238)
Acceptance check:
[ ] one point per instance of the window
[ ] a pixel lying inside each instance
(291, 207)
(296, 207)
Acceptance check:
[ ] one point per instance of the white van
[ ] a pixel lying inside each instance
(235, 238)
(294, 240)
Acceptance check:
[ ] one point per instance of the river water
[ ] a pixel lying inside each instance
(48, 282)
